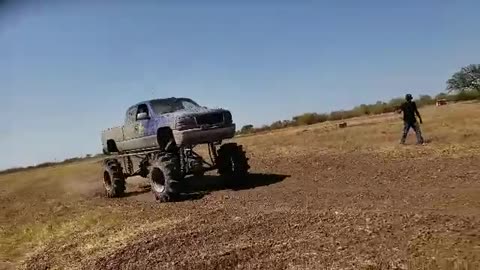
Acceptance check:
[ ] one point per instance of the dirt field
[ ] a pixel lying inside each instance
(318, 198)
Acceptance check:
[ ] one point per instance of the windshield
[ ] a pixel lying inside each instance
(162, 106)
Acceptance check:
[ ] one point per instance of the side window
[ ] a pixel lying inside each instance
(130, 117)
(142, 108)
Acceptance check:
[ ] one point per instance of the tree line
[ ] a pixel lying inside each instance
(462, 86)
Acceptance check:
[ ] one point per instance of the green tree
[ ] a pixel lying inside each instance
(441, 96)
(246, 129)
(395, 102)
(309, 118)
(468, 78)
(426, 100)
(277, 125)
(362, 109)
(305, 119)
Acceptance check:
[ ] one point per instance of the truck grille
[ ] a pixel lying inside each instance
(209, 119)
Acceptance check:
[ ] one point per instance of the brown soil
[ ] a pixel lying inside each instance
(319, 197)
(336, 211)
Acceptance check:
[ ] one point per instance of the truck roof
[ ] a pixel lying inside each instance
(147, 101)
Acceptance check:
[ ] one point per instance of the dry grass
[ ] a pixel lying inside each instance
(450, 130)
(61, 205)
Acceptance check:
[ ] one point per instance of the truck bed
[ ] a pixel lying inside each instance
(115, 133)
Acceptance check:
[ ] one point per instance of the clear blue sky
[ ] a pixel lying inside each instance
(69, 69)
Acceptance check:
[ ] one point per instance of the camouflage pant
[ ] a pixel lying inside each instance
(416, 127)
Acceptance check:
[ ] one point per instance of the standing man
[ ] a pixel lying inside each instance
(409, 109)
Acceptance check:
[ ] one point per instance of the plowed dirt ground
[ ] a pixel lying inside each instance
(318, 198)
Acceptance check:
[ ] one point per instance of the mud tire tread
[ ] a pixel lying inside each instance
(116, 186)
(169, 166)
(232, 162)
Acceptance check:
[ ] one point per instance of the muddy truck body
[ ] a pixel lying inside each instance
(148, 123)
(157, 142)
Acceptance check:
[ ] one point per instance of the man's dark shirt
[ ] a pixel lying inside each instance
(409, 109)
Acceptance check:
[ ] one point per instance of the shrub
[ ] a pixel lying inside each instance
(395, 103)
(309, 118)
(466, 95)
(441, 96)
(277, 125)
(246, 129)
(425, 100)
(338, 115)
(379, 107)
(362, 109)
(263, 128)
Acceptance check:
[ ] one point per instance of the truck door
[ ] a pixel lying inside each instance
(136, 127)
(141, 121)
(129, 126)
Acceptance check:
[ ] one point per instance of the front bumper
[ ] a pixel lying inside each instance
(200, 136)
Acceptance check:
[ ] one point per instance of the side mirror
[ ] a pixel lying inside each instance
(142, 116)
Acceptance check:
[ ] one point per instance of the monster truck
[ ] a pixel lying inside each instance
(157, 142)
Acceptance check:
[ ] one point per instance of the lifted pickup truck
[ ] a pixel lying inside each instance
(152, 123)
(157, 141)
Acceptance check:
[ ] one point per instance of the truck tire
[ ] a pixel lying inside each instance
(166, 140)
(113, 178)
(165, 177)
(232, 162)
